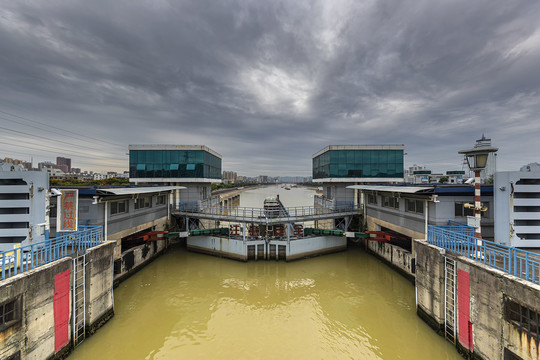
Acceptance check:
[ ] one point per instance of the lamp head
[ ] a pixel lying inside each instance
(477, 157)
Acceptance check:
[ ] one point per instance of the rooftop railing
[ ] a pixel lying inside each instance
(31, 256)
(457, 238)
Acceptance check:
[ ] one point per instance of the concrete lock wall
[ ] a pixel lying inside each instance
(430, 285)
(306, 247)
(135, 258)
(221, 246)
(36, 334)
(398, 257)
(99, 286)
(483, 326)
(160, 224)
(295, 249)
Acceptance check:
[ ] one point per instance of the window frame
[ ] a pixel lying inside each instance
(390, 202)
(116, 207)
(161, 199)
(418, 207)
(143, 202)
(522, 317)
(16, 311)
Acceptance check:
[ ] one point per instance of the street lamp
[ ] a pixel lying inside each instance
(477, 159)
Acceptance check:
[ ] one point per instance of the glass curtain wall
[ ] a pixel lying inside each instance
(174, 164)
(358, 163)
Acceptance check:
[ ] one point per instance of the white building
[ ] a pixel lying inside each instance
(517, 208)
(23, 207)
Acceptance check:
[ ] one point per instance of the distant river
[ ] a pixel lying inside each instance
(185, 305)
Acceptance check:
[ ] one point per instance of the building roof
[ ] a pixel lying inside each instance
(441, 190)
(398, 189)
(137, 190)
(175, 147)
(132, 190)
(359, 147)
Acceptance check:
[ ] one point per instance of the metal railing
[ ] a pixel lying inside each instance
(245, 214)
(210, 202)
(320, 200)
(28, 257)
(192, 206)
(459, 228)
(520, 263)
(198, 205)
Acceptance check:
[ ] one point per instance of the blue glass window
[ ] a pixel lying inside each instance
(358, 163)
(174, 164)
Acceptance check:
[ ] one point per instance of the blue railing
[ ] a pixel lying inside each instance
(459, 228)
(520, 263)
(28, 257)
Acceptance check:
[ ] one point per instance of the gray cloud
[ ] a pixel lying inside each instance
(267, 84)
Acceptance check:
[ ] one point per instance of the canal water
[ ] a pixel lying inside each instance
(185, 305)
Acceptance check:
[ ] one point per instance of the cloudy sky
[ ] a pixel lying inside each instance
(269, 83)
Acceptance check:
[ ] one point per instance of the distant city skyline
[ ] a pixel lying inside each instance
(268, 84)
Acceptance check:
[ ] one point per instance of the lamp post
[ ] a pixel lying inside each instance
(477, 159)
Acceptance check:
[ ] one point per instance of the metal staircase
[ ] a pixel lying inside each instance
(450, 299)
(79, 315)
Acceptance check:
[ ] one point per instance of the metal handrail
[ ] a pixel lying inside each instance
(457, 223)
(521, 263)
(246, 213)
(28, 257)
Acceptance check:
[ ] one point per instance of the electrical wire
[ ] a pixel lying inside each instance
(63, 151)
(55, 127)
(32, 155)
(46, 138)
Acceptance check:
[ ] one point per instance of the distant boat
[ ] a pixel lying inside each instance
(287, 187)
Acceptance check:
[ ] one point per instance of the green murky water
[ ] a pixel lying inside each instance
(190, 306)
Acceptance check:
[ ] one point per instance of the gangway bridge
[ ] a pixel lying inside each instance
(264, 233)
(261, 216)
(282, 209)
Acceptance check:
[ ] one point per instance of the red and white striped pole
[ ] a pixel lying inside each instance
(477, 204)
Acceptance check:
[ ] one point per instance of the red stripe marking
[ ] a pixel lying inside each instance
(61, 310)
(464, 301)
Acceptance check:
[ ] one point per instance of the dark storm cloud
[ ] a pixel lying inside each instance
(267, 84)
